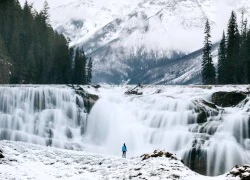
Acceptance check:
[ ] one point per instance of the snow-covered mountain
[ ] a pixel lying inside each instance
(131, 38)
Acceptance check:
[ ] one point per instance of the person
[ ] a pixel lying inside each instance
(124, 150)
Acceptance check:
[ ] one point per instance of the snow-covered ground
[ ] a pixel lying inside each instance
(27, 161)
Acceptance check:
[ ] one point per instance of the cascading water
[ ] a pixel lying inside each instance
(170, 121)
(46, 115)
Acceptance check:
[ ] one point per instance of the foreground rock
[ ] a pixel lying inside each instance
(28, 161)
(242, 172)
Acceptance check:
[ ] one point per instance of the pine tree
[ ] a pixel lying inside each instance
(232, 43)
(45, 12)
(248, 57)
(4, 63)
(89, 71)
(208, 70)
(243, 50)
(36, 52)
(222, 61)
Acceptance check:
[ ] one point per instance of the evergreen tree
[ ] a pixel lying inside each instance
(247, 65)
(79, 67)
(222, 61)
(37, 53)
(243, 50)
(4, 63)
(89, 71)
(232, 44)
(45, 12)
(208, 70)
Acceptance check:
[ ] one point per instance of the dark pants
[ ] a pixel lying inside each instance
(124, 154)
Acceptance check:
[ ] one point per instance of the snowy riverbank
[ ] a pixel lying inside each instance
(27, 161)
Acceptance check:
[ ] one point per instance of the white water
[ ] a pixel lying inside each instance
(46, 115)
(51, 115)
(168, 121)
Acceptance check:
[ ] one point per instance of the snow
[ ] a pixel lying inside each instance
(26, 161)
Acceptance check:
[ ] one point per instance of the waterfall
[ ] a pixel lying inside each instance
(45, 115)
(169, 121)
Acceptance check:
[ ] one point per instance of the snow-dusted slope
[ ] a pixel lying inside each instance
(26, 161)
(127, 38)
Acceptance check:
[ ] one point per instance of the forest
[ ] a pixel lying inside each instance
(31, 52)
(233, 54)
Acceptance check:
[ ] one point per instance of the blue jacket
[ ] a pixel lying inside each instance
(124, 148)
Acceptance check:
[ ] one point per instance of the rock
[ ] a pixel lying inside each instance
(1, 154)
(242, 169)
(209, 104)
(245, 175)
(241, 172)
(145, 156)
(202, 116)
(88, 99)
(168, 154)
(228, 99)
(158, 153)
(96, 86)
(247, 169)
(204, 110)
(134, 91)
(235, 171)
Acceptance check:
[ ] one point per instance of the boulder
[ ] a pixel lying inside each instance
(228, 99)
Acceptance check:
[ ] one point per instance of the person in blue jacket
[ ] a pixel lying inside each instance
(124, 150)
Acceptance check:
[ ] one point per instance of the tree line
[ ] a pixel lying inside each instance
(233, 55)
(36, 52)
